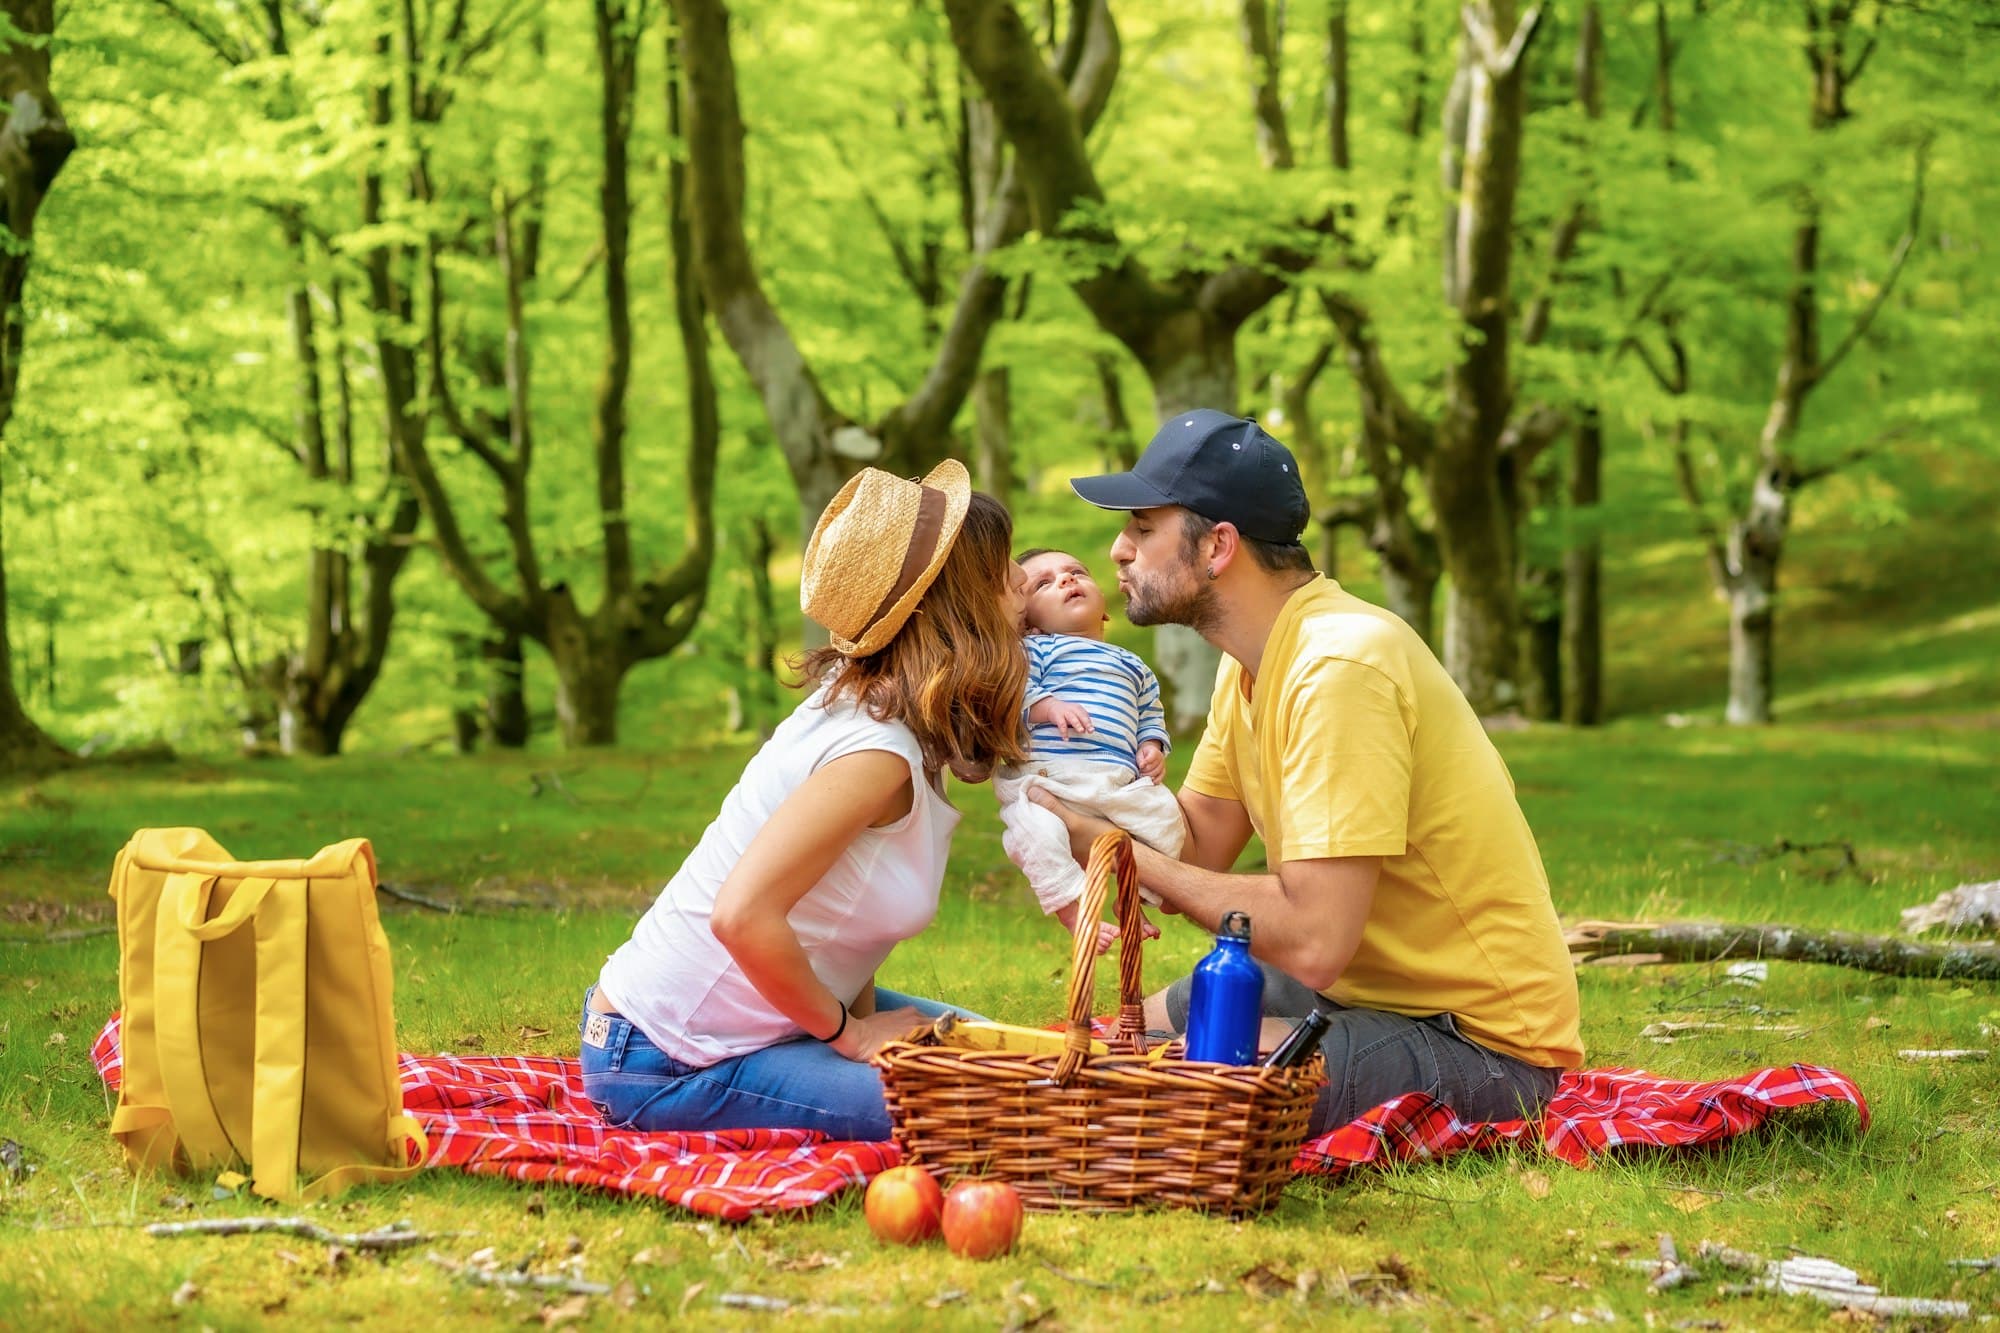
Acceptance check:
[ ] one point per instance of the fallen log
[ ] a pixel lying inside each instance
(1707, 942)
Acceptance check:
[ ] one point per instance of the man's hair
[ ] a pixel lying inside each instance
(1271, 557)
(954, 673)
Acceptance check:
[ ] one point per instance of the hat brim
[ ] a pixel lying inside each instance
(1120, 490)
(951, 478)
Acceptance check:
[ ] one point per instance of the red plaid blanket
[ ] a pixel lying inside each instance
(526, 1117)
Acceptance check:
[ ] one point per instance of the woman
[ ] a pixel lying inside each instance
(746, 997)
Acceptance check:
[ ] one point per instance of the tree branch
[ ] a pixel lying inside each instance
(216, 38)
(928, 412)
(1532, 432)
(1355, 511)
(1713, 546)
(1904, 245)
(1274, 141)
(1486, 42)
(1061, 184)
(462, 429)
(906, 264)
(1386, 414)
(1707, 942)
(801, 417)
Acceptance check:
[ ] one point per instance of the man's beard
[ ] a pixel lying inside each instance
(1193, 605)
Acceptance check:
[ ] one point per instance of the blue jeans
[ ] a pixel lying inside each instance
(802, 1084)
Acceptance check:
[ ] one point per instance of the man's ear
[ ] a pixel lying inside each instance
(1225, 544)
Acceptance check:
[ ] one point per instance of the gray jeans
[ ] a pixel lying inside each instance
(1372, 1056)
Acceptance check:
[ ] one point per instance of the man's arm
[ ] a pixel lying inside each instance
(1306, 919)
(1218, 830)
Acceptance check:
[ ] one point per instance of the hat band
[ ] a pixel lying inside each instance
(917, 555)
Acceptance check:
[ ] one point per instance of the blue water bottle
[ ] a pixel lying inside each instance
(1226, 1008)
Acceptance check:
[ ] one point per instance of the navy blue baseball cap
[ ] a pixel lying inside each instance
(1227, 469)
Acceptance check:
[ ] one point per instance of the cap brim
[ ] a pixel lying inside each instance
(1119, 490)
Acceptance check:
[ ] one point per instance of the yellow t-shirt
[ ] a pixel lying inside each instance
(1354, 742)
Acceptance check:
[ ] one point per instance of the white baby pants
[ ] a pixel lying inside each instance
(1037, 841)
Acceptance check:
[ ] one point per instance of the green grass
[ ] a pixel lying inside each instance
(1637, 820)
(1890, 743)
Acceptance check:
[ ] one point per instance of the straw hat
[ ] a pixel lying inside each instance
(876, 550)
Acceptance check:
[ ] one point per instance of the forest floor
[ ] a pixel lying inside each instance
(1888, 750)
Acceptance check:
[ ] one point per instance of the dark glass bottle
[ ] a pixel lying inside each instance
(1227, 1003)
(1300, 1043)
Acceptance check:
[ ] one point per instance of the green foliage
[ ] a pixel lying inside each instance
(150, 495)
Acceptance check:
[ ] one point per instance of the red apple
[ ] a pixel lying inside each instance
(903, 1205)
(982, 1218)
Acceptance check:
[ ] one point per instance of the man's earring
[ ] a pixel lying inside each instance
(1211, 573)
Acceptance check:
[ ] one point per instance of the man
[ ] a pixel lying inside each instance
(1405, 894)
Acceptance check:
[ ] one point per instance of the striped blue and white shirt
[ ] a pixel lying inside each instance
(1114, 686)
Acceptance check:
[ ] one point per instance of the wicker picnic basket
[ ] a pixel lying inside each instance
(1102, 1132)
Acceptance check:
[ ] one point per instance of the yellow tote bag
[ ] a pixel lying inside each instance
(257, 1021)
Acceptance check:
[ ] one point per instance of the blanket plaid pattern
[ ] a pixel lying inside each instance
(525, 1117)
(1592, 1112)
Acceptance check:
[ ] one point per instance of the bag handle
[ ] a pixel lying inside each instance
(177, 1011)
(1110, 859)
(242, 905)
(278, 1081)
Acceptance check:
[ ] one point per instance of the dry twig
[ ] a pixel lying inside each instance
(486, 1277)
(396, 1236)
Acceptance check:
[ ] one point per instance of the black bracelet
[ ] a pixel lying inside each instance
(837, 1031)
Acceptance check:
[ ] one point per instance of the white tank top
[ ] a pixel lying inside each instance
(680, 986)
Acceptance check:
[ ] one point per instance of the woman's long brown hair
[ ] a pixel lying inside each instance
(955, 673)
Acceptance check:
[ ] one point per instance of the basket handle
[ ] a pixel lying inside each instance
(1110, 858)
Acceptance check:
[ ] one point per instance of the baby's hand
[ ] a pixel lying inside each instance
(1152, 760)
(1068, 719)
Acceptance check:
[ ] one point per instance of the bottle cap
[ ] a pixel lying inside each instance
(1235, 926)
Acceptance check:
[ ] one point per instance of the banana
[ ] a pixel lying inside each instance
(951, 1030)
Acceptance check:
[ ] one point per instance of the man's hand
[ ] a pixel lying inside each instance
(1083, 829)
(1152, 760)
(1068, 719)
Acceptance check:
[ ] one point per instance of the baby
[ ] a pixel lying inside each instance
(1097, 737)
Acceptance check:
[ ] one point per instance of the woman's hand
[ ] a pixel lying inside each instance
(865, 1036)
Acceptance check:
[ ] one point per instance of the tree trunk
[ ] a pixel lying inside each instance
(1481, 610)
(1755, 543)
(506, 699)
(588, 674)
(1474, 527)
(1541, 606)
(1583, 611)
(465, 726)
(1411, 592)
(35, 141)
(1117, 450)
(1203, 374)
(993, 434)
(302, 731)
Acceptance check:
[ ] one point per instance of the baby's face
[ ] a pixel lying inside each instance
(1062, 597)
